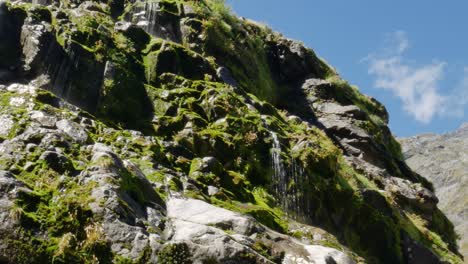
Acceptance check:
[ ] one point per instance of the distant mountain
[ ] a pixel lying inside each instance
(443, 159)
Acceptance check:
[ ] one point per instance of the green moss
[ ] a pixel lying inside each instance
(347, 94)
(126, 91)
(24, 248)
(58, 208)
(175, 254)
(352, 179)
(425, 233)
(247, 63)
(262, 208)
(266, 251)
(40, 13)
(175, 59)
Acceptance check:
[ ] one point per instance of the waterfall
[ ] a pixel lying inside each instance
(149, 17)
(288, 181)
(279, 177)
(300, 204)
(146, 16)
(72, 76)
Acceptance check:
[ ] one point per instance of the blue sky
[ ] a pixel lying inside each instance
(410, 55)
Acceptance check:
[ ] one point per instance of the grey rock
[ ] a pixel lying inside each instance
(412, 192)
(44, 119)
(122, 26)
(319, 255)
(7, 124)
(127, 241)
(57, 161)
(34, 37)
(206, 242)
(31, 147)
(191, 30)
(290, 59)
(90, 6)
(310, 84)
(42, 2)
(295, 119)
(126, 222)
(225, 75)
(212, 190)
(109, 69)
(188, 10)
(351, 111)
(343, 128)
(209, 163)
(10, 188)
(203, 228)
(11, 153)
(200, 212)
(49, 138)
(72, 129)
(22, 89)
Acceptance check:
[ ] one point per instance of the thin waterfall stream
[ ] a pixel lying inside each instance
(288, 181)
(151, 17)
(279, 177)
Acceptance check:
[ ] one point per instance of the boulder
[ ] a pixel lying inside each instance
(225, 75)
(291, 62)
(209, 243)
(319, 255)
(45, 120)
(202, 213)
(73, 130)
(413, 193)
(57, 162)
(211, 232)
(10, 190)
(7, 124)
(131, 211)
(350, 111)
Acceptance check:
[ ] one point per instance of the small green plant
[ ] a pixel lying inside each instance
(178, 253)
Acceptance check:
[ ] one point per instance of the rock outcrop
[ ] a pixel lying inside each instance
(171, 131)
(443, 159)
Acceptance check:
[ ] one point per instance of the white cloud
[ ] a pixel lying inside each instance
(397, 41)
(416, 86)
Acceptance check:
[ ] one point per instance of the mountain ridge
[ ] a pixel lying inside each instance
(442, 159)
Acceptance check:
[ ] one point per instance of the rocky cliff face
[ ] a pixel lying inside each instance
(443, 159)
(170, 131)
